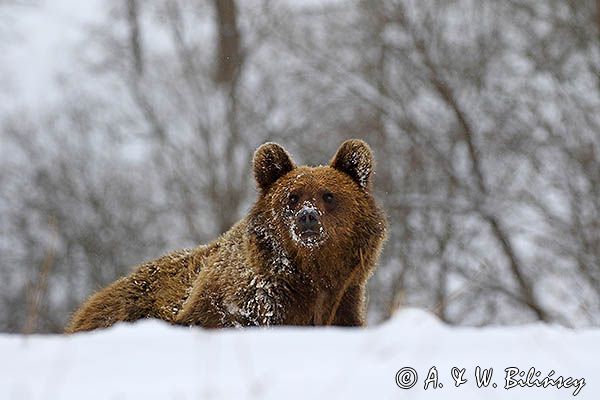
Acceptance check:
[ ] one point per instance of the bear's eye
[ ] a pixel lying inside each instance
(328, 197)
(293, 199)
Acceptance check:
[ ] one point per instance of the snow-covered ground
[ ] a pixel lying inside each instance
(151, 360)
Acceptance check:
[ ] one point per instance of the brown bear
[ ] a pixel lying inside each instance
(302, 256)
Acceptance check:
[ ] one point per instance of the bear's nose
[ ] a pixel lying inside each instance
(308, 220)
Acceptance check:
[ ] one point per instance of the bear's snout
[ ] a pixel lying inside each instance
(308, 220)
(307, 225)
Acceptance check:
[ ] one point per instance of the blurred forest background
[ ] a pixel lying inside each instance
(484, 117)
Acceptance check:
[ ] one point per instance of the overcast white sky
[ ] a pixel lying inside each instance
(38, 47)
(37, 44)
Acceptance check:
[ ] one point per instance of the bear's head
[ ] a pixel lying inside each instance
(325, 210)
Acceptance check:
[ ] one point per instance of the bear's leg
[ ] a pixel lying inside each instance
(351, 311)
(118, 302)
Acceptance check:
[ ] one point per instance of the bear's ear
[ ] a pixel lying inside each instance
(354, 157)
(271, 162)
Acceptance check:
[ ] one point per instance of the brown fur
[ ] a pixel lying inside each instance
(261, 272)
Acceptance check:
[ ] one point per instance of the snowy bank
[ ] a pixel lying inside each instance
(152, 360)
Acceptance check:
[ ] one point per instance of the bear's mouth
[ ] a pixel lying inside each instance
(308, 233)
(308, 237)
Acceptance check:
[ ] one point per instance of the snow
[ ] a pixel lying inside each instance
(152, 360)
